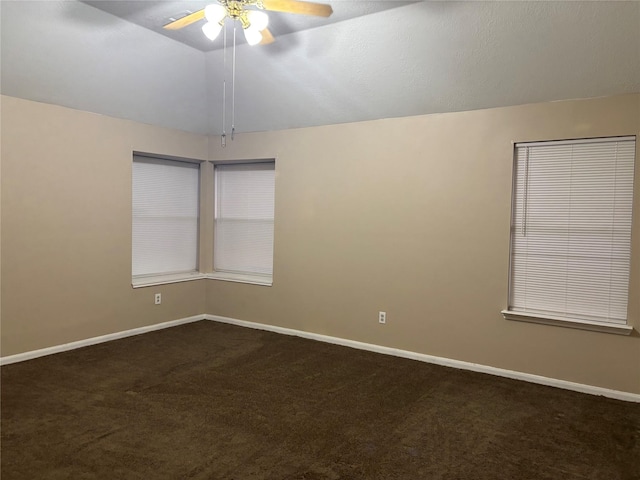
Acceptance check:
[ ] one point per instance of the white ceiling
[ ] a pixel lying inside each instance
(375, 62)
(153, 14)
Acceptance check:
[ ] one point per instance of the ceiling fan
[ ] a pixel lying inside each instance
(254, 22)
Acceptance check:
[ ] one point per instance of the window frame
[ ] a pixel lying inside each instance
(571, 322)
(240, 277)
(145, 280)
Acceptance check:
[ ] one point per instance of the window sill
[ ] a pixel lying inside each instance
(151, 280)
(615, 328)
(241, 278)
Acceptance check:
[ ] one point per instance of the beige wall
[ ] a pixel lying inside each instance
(407, 215)
(66, 226)
(411, 216)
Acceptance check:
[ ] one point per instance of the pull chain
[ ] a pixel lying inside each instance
(233, 84)
(224, 87)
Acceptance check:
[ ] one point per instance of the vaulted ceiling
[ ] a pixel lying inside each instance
(370, 60)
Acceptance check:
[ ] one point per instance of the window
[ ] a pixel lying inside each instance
(165, 217)
(571, 233)
(243, 226)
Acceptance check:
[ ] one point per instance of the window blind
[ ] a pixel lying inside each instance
(571, 229)
(244, 211)
(165, 216)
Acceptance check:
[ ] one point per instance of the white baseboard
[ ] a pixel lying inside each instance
(447, 362)
(20, 357)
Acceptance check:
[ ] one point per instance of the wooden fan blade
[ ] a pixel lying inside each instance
(267, 38)
(295, 6)
(186, 20)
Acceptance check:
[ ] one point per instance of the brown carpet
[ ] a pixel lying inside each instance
(214, 401)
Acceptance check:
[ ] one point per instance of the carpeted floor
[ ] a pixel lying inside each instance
(214, 401)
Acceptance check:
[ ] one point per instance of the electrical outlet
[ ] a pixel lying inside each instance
(382, 317)
(158, 299)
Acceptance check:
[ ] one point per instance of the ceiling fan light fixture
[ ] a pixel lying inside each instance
(214, 13)
(258, 20)
(253, 22)
(252, 35)
(211, 30)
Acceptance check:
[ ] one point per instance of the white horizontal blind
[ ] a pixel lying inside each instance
(571, 229)
(243, 240)
(165, 216)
